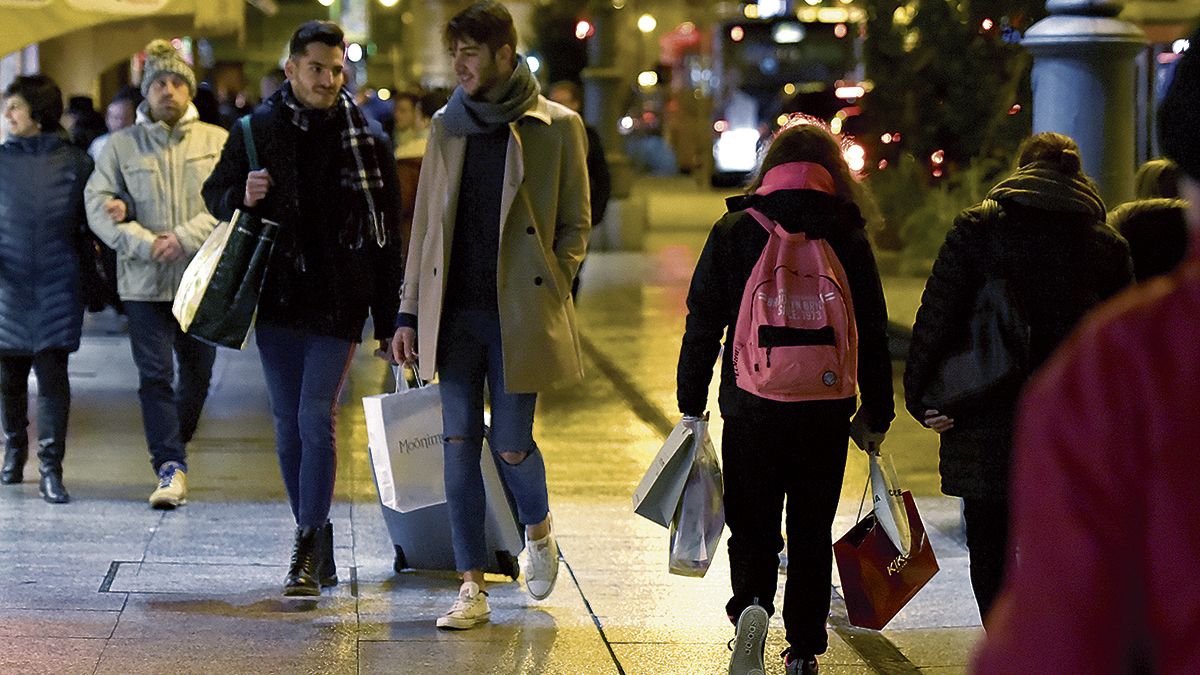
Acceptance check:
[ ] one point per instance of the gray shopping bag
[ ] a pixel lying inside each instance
(658, 493)
(700, 519)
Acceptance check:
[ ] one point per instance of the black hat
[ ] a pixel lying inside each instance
(1179, 113)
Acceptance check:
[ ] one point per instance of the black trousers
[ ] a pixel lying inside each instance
(53, 403)
(987, 544)
(801, 457)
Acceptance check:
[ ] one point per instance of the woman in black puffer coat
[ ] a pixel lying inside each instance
(42, 227)
(1048, 239)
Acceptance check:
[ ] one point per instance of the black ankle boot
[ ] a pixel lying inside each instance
(328, 572)
(14, 465)
(52, 487)
(302, 578)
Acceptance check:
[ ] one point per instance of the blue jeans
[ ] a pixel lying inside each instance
(469, 356)
(169, 416)
(304, 374)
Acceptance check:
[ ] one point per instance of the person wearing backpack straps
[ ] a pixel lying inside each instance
(1043, 230)
(790, 438)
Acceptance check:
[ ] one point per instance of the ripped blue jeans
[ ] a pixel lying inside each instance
(469, 356)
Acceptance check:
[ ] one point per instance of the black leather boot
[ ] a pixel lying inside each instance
(16, 438)
(14, 462)
(52, 445)
(302, 578)
(328, 566)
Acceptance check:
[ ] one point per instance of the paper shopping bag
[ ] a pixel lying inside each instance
(657, 494)
(878, 580)
(700, 519)
(404, 436)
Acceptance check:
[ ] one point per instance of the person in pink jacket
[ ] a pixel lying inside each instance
(1106, 486)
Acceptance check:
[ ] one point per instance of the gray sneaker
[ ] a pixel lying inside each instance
(748, 644)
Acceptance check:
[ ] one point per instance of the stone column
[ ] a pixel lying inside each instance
(603, 93)
(1083, 86)
(436, 68)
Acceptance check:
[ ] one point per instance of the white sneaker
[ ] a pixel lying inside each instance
(541, 569)
(469, 610)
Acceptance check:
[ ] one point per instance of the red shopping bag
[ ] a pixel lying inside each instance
(877, 580)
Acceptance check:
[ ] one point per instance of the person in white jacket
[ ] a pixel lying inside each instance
(143, 200)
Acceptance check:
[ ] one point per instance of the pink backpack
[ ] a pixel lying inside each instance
(795, 338)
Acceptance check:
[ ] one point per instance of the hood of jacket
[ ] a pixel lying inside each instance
(143, 115)
(1040, 186)
(817, 214)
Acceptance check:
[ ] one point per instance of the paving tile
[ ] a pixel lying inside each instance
(50, 655)
(56, 623)
(333, 653)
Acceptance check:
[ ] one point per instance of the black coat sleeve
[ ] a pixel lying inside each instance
(707, 320)
(388, 260)
(870, 317)
(226, 185)
(945, 309)
(599, 180)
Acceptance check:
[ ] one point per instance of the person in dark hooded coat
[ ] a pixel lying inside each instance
(1049, 240)
(772, 449)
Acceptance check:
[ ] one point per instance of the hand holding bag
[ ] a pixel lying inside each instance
(657, 494)
(218, 295)
(878, 579)
(404, 438)
(700, 519)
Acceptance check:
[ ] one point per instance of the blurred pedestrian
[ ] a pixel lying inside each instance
(568, 93)
(83, 123)
(408, 135)
(270, 83)
(1043, 232)
(1105, 491)
(772, 449)
(1153, 223)
(144, 201)
(120, 113)
(42, 224)
(326, 178)
(510, 166)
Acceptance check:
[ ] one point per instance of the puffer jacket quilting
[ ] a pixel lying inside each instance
(42, 222)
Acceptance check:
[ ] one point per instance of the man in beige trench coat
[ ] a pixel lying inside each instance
(500, 227)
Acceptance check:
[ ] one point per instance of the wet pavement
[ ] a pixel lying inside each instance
(107, 585)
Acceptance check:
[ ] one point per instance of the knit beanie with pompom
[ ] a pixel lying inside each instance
(161, 58)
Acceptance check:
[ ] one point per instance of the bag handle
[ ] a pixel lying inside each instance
(248, 137)
(400, 376)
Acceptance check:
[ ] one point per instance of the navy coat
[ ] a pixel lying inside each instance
(42, 224)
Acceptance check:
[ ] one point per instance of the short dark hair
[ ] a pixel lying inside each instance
(486, 22)
(44, 99)
(322, 32)
(409, 96)
(432, 102)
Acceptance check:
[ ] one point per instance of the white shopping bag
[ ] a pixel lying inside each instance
(198, 273)
(656, 496)
(700, 519)
(404, 436)
(888, 502)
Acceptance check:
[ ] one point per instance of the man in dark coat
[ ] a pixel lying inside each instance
(327, 179)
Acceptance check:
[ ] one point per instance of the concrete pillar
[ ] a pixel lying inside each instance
(1083, 86)
(604, 82)
(437, 70)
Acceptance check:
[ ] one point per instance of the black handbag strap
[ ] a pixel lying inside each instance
(248, 137)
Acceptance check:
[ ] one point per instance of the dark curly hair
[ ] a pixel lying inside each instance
(44, 99)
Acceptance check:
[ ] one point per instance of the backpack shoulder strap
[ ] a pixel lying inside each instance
(766, 222)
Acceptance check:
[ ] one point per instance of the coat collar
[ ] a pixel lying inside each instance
(190, 116)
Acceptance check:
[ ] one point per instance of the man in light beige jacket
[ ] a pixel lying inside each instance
(143, 201)
(500, 227)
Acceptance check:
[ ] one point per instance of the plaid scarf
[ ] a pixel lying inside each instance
(359, 171)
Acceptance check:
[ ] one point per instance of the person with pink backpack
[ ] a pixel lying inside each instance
(788, 282)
